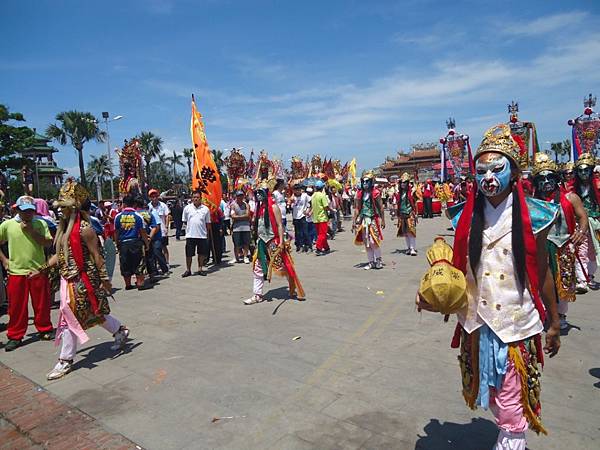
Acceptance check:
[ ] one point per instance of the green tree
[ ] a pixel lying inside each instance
(161, 176)
(13, 139)
(151, 147)
(174, 161)
(188, 154)
(98, 170)
(78, 128)
(561, 149)
(218, 159)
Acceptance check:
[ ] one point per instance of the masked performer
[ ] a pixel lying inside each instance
(500, 245)
(84, 284)
(589, 250)
(272, 251)
(369, 220)
(568, 231)
(130, 160)
(407, 214)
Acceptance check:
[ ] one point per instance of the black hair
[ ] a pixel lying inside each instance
(266, 215)
(518, 244)
(129, 201)
(578, 187)
(139, 202)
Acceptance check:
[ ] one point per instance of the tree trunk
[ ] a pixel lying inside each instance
(99, 189)
(189, 163)
(81, 165)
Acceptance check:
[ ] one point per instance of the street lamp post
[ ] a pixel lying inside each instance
(106, 116)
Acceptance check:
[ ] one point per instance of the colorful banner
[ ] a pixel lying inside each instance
(206, 177)
(352, 172)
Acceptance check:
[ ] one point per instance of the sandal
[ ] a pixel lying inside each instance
(185, 274)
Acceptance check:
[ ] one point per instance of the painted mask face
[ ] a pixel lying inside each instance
(584, 173)
(367, 184)
(261, 195)
(546, 182)
(493, 174)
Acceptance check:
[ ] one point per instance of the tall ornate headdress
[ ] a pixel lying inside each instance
(498, 139)
(130, 160)
(541, 162)
(265, 174)
(72, 194)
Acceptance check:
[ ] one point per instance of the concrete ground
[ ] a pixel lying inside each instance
(204, 371)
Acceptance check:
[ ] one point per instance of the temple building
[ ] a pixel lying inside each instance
(419, 161)
(44, 166)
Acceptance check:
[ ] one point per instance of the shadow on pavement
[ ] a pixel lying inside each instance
(100, 352)
(595, 372)
(479, 434)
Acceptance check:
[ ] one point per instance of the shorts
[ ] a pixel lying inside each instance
(165, 241)
(196, 245)
(131, 258)
(241, 238)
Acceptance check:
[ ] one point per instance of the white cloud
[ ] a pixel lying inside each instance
(545, 25)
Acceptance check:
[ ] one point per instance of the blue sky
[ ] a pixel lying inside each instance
(339, 78)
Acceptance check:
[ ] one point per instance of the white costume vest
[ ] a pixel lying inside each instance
(495, 298)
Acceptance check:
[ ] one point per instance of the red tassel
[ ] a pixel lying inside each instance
(461, 236)
(456, 338)
(77, 252)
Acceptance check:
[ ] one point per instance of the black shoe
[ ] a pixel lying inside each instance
(594, 285)
(11, 345)
(47, 335)
(130, 287)
(185, 274)
(298, 249)
(202, 273)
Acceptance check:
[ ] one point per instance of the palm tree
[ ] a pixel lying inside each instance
(151, 147)
(78, 128)
(560, 149)
(218, 159)
(188, 154)
(98, 169)
(174, 161)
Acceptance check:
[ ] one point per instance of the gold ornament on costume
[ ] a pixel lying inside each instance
(368, 174)
(498, 139)
(72, 194)
(405, 177)
(586, 159)
(541, 162)
(443, 286)
(568, 166)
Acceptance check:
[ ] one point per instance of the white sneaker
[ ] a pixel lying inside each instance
(369, 266)
(246, 260)
(252, 300)
(581, 288)
(61, 368)
(120, 339)
(379, 264)
(412, 252)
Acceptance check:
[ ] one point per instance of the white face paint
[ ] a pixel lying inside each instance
(493, 174)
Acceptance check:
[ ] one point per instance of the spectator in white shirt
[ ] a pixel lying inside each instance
(196, 216)
(300, 202)
(161, 210)
(279, 198)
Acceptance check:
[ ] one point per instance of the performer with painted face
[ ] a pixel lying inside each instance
(568, 232)
(407, 214)
(589, 250)
(272, 251)
(84, 283)
(369, 220)
(500, 246)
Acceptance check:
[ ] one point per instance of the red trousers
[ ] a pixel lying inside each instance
(322, 236)
(19, 288)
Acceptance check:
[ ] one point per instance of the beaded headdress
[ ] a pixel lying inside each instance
(498, 139)
(585, 159)
(541, 162)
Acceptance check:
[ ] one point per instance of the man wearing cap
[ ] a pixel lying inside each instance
(240, 215)
(27, 237)
(161, 210)
(320, 211)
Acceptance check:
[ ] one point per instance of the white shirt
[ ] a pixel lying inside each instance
(162, 211)
(226, 207)
(197, 220)
(280, 200)
(299, 205)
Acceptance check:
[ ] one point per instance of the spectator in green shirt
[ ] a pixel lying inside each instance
(320, 212)
(26, 237)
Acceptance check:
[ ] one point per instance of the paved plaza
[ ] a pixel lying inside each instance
(354, 366)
